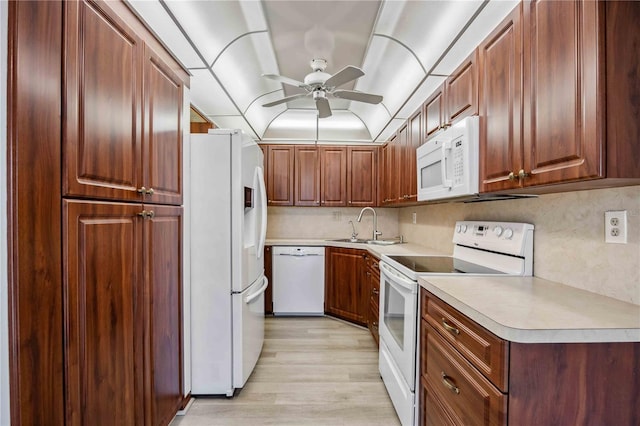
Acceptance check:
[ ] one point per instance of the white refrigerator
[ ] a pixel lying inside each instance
(228, 230)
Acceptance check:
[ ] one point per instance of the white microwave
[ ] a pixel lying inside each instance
(448, 164)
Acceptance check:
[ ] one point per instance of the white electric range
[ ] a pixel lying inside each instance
(480, 248)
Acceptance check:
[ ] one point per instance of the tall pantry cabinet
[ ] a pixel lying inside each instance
(119, 194)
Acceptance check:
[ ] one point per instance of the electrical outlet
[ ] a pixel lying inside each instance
(414, 217)
(615, 227)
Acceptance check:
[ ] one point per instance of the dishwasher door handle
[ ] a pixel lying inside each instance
(298, 255)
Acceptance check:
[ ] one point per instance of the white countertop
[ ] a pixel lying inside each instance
(533, 310)
(376, 250)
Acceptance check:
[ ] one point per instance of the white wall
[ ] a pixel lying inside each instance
(4, 328)
(569, 242)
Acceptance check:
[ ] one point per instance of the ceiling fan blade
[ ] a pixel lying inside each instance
(343, 76)
(285, 80)
(287, 99)
(324, 110)
(358, 96)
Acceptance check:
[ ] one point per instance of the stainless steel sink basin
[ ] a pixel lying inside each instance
(361, 241)
(349, 240)
(383, 242)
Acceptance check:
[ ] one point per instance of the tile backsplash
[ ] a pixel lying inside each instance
(328, 223)
(569, 242)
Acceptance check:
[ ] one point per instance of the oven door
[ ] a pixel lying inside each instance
(398, 319)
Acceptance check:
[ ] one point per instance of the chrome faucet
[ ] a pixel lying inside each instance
(375, 222)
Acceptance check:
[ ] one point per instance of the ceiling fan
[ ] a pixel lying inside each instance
(320, 84)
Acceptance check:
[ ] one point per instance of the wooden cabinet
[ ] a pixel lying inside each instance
(372, 280)
(162, 135)
(434, 113)
(328, 176)
(103, 291)
(500, 103)
(471, 377)
(280, 177)
(122, 287)
(576, 117)
(344, 288)
(362, 176)
(307, 176)
(111, 150)
(162, 254)
(454, 100)
(333, 176)
(391, 173)
(268, 273)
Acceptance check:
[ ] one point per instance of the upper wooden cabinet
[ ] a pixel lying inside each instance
(500, 103)
(112, 151)
(162, 136)
(562, 123)
(333, 176)
(362, 176)
(328, 176)
(577, 122)
(280, 178)
(454, 100)
(307, 176)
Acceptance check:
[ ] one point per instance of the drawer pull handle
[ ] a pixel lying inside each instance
(448, 383)
(450, 329)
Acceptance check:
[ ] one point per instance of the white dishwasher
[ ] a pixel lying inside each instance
(298, 280)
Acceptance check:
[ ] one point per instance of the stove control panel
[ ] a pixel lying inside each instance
(503, 237)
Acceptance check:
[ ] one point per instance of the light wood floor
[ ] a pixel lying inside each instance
(313, 371)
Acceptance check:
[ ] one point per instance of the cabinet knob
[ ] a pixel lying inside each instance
(147, 214)
(512, 176)
(142, 190)
(522, 174)
(149, 191)
(349, 201)
(375, 291)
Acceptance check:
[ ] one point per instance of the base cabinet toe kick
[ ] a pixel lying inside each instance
(469, 376)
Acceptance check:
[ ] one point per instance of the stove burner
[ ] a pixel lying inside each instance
(441, 265)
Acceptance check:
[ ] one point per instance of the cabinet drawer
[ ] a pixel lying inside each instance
(485, 350)
(463, 391)
(432, 410)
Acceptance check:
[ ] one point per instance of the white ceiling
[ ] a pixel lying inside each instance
(405, 48)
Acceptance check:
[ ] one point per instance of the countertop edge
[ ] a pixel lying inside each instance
(519, 335)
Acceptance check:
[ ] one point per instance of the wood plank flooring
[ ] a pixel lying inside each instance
(313, 371)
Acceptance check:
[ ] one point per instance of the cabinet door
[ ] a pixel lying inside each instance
(500, 94)
(268, 273)
(434, 113)
(102, 105)
(163, 289)
(280, 175)
(462, 90)
(343, 285)
(333, 175)
(162, 140)
(104, 318)
(362, 176)
(402, 165)
(307, 176)
(563, 125)
(415, 140)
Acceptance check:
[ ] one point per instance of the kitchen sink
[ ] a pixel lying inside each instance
(350, 240)
(361, 241)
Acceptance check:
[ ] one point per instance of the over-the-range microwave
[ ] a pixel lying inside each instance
(447, 164)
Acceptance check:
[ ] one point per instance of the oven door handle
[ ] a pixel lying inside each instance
(398, 278)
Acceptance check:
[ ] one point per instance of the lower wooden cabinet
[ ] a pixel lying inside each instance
(344, 288)
(123, 312)
(372, 279)
(469, 377)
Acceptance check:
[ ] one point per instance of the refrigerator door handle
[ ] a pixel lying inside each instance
(262, 234)
(257, 294)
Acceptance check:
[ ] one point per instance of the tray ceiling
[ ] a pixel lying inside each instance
(405, 48)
